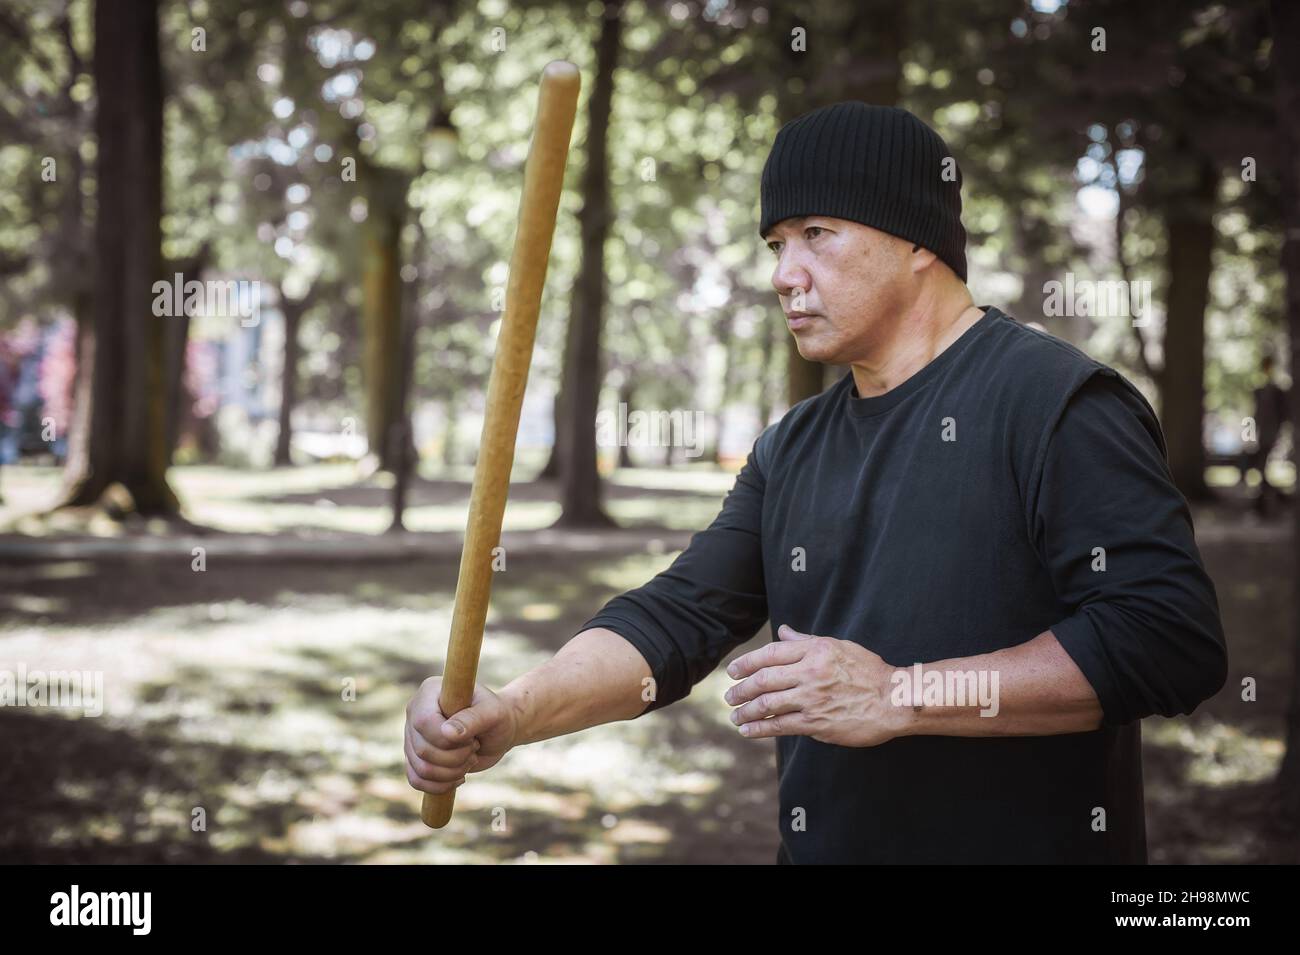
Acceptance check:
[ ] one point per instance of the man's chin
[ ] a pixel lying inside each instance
(812, 349)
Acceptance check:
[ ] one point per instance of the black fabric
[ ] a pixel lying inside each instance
(877, 165)
(923, 549)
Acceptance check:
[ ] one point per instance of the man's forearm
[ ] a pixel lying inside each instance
(597, 677)
(1040, 692)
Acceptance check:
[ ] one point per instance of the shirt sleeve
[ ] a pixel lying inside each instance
(709, 601)
(1145, 630)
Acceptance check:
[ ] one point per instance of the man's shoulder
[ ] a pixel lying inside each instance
(1039, 372)
(1045, 375)
(1036, 361)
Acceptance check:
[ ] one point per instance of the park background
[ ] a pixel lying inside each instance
(249, 521)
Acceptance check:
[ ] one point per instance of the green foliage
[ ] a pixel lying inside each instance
(260, 122)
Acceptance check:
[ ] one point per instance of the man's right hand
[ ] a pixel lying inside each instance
(441, 750)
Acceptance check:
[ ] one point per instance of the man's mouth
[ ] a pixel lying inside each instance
(797, 320)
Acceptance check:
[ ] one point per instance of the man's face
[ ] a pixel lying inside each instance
(846, 276)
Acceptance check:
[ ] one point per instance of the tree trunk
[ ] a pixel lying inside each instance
(292, 311)
(551, 470)
(77, 465)
(729, 347)
(381, 313)
(580, 486)
(402, 440)
(766, 375)
(124, 428)
(449, 433)
(1286, 62)
(625, 395)
(804, 378)
(176, 336)
(1190, 224)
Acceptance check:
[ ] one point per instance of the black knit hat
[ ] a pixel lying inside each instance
(878, 165)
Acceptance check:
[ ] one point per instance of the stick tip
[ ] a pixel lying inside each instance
(560, 70)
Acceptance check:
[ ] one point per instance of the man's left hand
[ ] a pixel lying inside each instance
(835, 691)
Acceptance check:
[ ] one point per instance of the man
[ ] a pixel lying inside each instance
(973, 496)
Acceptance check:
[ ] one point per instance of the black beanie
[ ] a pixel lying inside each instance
(877, 165)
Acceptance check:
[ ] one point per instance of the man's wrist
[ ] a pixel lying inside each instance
(912, 715)
(519, 701)
(906, 719)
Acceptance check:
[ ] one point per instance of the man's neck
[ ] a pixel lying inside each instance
(912, 343)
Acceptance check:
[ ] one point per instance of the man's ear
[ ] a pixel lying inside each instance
(925, 260)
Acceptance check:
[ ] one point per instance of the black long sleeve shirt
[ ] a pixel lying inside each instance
(1011, 486)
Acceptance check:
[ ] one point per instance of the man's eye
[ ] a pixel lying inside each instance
(813, 228)
(774, 248)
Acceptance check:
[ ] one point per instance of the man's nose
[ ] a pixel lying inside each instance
(789, 276)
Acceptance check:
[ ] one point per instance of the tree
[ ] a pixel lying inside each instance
(580, 487)
(382, 309)
(1178, 91)
(124, 438)
(293, 310)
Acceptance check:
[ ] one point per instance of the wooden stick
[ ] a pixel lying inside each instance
(557, 103)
